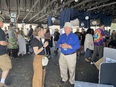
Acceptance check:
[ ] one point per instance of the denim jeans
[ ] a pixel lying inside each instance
(88, 53)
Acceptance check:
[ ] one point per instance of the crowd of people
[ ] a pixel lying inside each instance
(90, 43)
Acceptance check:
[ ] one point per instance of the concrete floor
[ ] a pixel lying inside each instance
(21, 73)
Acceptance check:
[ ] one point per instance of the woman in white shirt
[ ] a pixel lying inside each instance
(88, 45)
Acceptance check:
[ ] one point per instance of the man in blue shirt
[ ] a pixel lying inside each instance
(68, 43)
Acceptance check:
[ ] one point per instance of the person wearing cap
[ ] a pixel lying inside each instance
(68, 43)
(5, 62)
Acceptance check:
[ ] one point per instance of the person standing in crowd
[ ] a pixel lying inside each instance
(68, 43)
(22, 32)
(82, 39)
(98, 42)
(5, 62)
(107, 37)
(47, 38)
(38, 48)
(51, 41)
(27, 31)
(88, 45)
(21, 43)
(6, 33)
(30, 34)
(79, 35)
(56, 37)
(113, 35)
(13, 44)
(5, 30)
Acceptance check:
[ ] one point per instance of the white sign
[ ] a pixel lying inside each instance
(13, 14)
(12, 20)
(110, 60)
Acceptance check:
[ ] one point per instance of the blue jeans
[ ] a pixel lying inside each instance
(88, 53)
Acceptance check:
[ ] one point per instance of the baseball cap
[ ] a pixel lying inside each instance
(68, 24)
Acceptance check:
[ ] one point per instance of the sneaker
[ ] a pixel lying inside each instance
(92, 63)
(3, 85)
(87, 60)
(72, 85)
(62, 82)
(49, 57)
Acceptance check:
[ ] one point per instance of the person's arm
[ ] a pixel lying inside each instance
(37, 51)
(2, 39)
(3, 43)
(75, 44)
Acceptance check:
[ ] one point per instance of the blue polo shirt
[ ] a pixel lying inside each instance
(71, 39)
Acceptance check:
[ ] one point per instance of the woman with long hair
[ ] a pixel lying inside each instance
(47, 38)
(88, 45)
(21, 43)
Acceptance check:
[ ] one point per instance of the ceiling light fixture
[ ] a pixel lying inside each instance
(61, 1)
(53, 19)
(86, 17)
(76, 0)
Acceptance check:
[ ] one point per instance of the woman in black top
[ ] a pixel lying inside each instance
(38, 47)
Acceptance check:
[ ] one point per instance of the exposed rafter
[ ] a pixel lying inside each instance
(101, 6)
(19, 9)
(80, 3)
(94, 4)
(34, 11)
(2, 16)
(68, 2)
(42, 10)
(8, 6)
(43, 19)
(63, 6)
(31, 9)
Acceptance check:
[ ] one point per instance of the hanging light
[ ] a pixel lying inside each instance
(86, 17)
(76, 0)
(82, 24)
(94, 22)
(53, 19)
(61, 1)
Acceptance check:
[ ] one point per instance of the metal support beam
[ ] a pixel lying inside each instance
(7, 3)
(94, 4)
(43, 19)
(102, 6)
(19, 9)
(80, 3)
(2, 16)
(42, 10)
(63, 6)
(31, 9)
(55, 9)
(8, 6)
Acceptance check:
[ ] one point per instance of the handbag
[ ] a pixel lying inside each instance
(45, 61)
